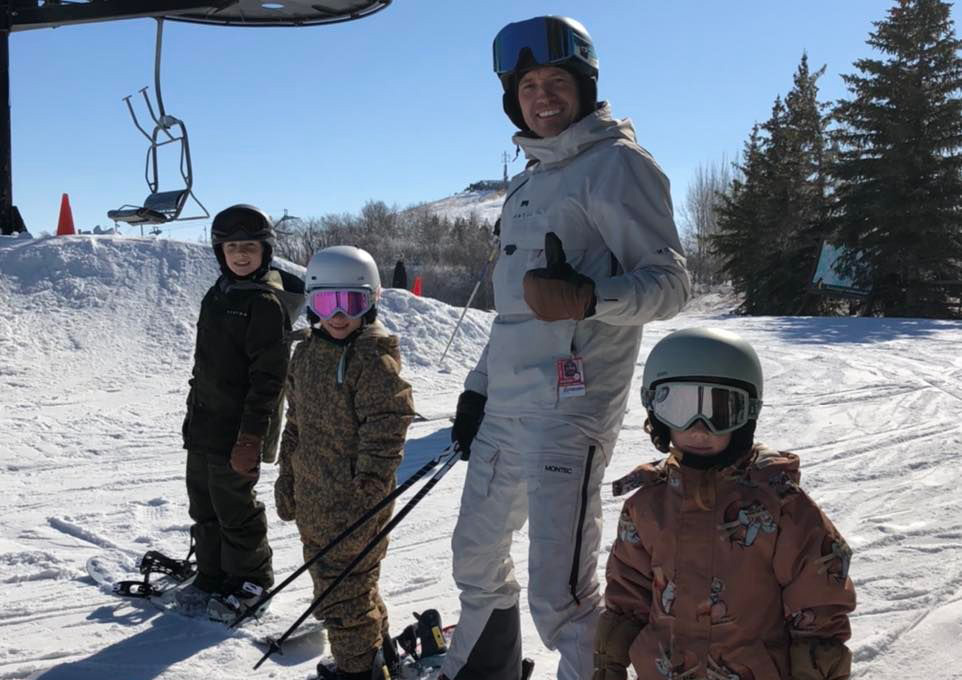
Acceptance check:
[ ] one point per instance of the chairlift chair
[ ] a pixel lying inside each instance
(160, 206)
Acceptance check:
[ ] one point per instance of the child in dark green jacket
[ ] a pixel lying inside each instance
(234, 413)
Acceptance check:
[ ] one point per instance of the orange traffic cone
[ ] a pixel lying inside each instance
(65, 223)
(417, 286)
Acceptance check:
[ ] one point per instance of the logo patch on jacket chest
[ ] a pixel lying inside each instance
(237, 312)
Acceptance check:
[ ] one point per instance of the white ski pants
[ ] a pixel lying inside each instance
(548, 473)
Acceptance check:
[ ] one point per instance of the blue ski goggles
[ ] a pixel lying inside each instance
(548, 40)
(723, 408)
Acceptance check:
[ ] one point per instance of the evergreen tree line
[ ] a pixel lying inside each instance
(878, 174)
(447, 253)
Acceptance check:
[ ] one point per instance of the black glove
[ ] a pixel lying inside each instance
(558, 292)
(467, 420)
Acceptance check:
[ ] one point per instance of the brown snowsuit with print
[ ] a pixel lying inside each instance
(348, 414)
(721, 571)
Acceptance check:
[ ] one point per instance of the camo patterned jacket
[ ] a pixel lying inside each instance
(347, 417)
(723, 569)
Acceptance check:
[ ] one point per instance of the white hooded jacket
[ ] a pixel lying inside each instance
(609, 203)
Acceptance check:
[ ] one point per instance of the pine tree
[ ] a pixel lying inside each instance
(773, 219)
(899, 191)
(741, 220)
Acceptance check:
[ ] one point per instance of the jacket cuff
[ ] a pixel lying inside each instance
(477, 382)
(255, 426)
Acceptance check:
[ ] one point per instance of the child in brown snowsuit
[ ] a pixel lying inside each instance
(723, 568)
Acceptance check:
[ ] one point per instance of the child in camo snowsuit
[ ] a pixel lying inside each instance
(723, 568)
(348, 413)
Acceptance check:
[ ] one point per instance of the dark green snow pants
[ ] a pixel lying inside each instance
(230, 525)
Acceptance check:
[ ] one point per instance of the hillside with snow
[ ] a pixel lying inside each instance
(482, 199)
(96, 341)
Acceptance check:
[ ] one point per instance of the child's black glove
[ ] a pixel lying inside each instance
(467, 420)
(558, 292)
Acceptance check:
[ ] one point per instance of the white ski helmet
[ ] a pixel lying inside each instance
(342, 267)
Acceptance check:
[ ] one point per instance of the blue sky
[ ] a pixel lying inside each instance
(401, 107)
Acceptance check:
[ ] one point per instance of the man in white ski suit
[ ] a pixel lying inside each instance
(552, 393)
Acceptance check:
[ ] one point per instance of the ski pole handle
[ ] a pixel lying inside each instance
(363, 519)
(275, 645)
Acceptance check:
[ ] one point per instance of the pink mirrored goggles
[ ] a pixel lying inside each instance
(351, 303)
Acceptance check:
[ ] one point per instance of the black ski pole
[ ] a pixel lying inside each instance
(383, 503)
(275, 645)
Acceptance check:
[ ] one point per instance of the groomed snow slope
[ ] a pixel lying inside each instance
(96, 338)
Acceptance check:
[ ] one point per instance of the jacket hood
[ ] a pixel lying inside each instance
(577, 137)
(293, 301)
(376, 336)
(767, 462)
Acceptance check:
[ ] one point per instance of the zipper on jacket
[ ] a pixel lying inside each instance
(575, 564)
(342, 365)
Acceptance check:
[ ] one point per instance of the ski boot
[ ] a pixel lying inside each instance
(227, 608)
(387, 661)
(192, 600)
(386, 666)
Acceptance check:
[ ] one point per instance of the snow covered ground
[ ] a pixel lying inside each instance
(96, 336)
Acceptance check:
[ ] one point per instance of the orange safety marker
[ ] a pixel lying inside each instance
(65, 223)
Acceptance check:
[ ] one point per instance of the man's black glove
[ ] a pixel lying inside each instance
(467, 420)
(558, 292)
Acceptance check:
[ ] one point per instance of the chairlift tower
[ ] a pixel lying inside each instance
(23, 15)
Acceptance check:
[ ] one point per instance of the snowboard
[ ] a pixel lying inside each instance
(115, 572)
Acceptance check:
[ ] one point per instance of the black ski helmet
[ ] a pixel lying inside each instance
(545, 41)
(242, 222)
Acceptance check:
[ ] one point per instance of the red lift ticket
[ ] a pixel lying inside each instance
(571, 377)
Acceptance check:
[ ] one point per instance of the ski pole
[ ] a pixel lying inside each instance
(477, 284)
(383, 503)
(275, 645)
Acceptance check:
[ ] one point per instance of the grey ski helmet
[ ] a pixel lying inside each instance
(701, 354)
(545, 41)
(343, 267)
(242, 222)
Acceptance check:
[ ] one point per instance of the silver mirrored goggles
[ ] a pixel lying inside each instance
(723, 408)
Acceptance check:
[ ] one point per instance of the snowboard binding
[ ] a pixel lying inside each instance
(429, 633)
(155, 562)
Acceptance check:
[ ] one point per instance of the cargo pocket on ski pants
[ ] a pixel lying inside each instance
(493, 507)
(481, 468)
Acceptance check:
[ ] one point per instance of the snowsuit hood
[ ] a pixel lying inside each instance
(724, 568)
(576, 137)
